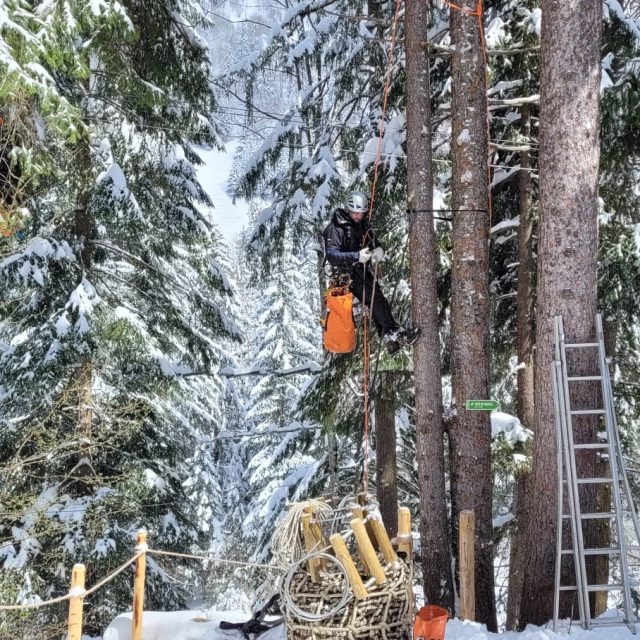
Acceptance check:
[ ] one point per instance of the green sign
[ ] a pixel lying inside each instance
(481, 405)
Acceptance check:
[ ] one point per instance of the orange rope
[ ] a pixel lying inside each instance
(475, 12)
(374, 183)
(385, 100)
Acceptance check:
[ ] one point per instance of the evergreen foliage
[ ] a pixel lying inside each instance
(116, 297)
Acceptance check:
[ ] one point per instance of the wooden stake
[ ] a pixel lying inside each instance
(363, 512)
(467, 578)
(383, 540)
(342, 553)
(138, 587)
(75, 602)
(405, 541)
(367, 552)
(310, 544)
(319, 538)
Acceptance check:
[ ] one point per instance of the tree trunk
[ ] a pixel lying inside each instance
(386, 466)
(436, 551)
(83, 378)
(470, 431)
(525, 350)
(569, 157)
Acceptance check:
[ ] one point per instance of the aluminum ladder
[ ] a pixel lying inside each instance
(621, 515)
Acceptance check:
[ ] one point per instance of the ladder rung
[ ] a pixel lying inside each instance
(577, 345)
(604, 587)
(593, 552)
(568, 588)
(588, 412)
(595, 445)
(583, 378)
(594, 480)
(604, 515)
(609, 621)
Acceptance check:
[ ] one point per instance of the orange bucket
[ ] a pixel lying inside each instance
(430, 623)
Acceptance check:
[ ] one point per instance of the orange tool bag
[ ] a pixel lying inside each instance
(339, 335)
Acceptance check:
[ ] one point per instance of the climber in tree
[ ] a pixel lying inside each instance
(351, 249)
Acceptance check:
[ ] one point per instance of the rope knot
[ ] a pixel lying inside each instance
(77, 592)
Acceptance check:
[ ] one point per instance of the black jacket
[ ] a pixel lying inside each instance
(343, 239)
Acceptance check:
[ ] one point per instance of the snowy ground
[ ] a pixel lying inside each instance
(183, 625)
(193, 625)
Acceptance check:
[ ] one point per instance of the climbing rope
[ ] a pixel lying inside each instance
(204, 558)
(286, 545)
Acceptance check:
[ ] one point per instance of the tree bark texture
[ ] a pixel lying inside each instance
(569, 159)
(434, 530)
(83, 378)
(525, 342)
(386, 464)
(470, 431)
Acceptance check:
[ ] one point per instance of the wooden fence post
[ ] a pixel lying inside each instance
(311, 544)
(405, 541)
(467, 555)
(138, 586)
(75, 602)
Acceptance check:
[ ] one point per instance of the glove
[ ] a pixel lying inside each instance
(364, 256)
(377, 255)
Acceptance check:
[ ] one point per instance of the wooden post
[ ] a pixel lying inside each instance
(383, 540)
(467, 578)
(342, 553)
(138, 586)
(363, 512)
(76, 602)
(405, 541)
(367, 552)
(318, 536)
(310, 545)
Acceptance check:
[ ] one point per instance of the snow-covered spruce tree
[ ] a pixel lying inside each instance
(618, 261)
(283, 466)
(114, 299)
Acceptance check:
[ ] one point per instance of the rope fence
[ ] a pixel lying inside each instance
(78, 593)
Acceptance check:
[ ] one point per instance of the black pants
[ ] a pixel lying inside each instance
(362, 281)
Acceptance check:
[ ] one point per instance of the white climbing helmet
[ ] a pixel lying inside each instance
(357, 202)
